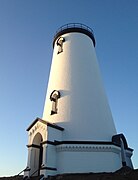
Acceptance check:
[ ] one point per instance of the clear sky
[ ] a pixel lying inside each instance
(27, 28)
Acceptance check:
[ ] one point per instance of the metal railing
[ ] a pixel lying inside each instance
(74, 25)
(21, 172)
(26, 177)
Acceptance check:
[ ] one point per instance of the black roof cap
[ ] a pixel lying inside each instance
(74, 27)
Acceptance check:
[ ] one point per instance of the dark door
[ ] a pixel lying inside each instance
(40, 158)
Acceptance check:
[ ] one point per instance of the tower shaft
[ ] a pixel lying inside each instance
(83, 107)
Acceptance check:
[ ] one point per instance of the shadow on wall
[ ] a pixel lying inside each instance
(64, 93)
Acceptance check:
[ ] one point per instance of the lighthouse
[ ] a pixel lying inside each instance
(76, 133)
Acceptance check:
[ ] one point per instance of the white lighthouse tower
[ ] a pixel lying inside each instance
(76, 133)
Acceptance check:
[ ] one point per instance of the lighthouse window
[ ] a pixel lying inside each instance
(60, 44)
(55, 95)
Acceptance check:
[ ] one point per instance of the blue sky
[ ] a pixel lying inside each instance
(27, 28)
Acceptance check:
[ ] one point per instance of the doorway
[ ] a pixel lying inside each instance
(36, 155)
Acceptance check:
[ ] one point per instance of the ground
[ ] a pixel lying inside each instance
(124, 173)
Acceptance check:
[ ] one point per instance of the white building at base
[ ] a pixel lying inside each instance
(76, 133)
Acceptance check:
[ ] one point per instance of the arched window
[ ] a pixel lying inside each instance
(60, 44)
(55, 95)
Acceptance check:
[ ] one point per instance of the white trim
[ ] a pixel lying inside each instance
(88, 148)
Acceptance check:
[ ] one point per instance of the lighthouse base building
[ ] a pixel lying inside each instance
(76, 133)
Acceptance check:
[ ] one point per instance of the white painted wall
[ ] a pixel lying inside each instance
(88, 159)
(51, 156)
(83, 109)
(39, 127)
(54, 134)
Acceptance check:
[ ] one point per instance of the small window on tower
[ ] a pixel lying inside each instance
(55, 95)
(60, 44)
